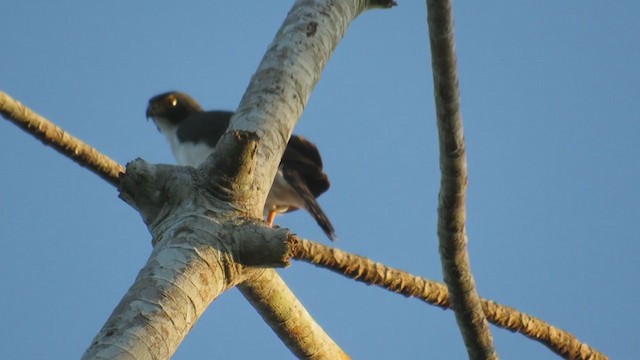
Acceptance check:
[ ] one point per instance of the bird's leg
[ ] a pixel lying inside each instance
(271, 217)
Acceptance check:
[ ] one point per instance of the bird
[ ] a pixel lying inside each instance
(193, 134)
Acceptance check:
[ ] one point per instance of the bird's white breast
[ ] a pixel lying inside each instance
(186, 153)
(191, 154)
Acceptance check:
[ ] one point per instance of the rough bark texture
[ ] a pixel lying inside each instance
(198, 254)
(369, 272)
(451, 205)
(201, 252)
(289, 319)
(275, 99)
(159, 268)
(286, 76)
(66, 144)
(225, 193)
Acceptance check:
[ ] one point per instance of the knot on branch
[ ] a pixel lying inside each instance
(229, 172)
(176, 202)
(234, 161)
(153, 189)
(256, 244)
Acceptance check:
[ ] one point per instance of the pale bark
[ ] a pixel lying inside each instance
(207, 204)
(268, 293)
(193, 262)
(349, 265)
(272, 105)
(365, 270)
(286, 76)
(198, 254)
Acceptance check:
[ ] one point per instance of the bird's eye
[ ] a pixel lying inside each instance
(172, 101)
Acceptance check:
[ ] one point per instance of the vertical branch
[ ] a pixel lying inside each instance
(451, 204)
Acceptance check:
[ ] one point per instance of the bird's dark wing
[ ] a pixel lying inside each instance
(205, 127)
(302, 169)
(304, 157)
(295, 179)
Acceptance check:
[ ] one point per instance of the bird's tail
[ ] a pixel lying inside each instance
(311, 205)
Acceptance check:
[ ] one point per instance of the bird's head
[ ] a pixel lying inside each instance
(171, 108)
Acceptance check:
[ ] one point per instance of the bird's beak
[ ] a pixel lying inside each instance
(151, 114)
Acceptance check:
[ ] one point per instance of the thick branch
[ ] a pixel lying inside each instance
(66, 144)
(182, 276)
(362, 269)
(229, 173)
(200, 250)
(273, 103)
(451, 205)
(369, 272)
(288, 318)
(290, 69)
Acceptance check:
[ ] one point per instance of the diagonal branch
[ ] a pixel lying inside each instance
(289, 71)
(275, 98)
(371, 273)
(66, 144)
(350, 265)
(270, 295)
(453, 185)
(434, 293)
(108, 169)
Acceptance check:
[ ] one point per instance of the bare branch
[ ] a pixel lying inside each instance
(288, 318)
(369, 272)
(199, 249)
(289, 71)
(66, 144)
(362, 269)
(434, 293)
(559, 341)
(451, 205)
(271, 106)
(179, 281)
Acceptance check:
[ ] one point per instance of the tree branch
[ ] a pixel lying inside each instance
(364, 270)
(453, 184)
(199, 252)
(288, 318)
(369, 272)
(66, 144)
(353, 266)
(289, 71)
(270, 109)
(272, 104)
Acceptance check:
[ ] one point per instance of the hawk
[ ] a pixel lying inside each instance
(193, 134)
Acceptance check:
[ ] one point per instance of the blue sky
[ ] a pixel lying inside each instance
(549, 100)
